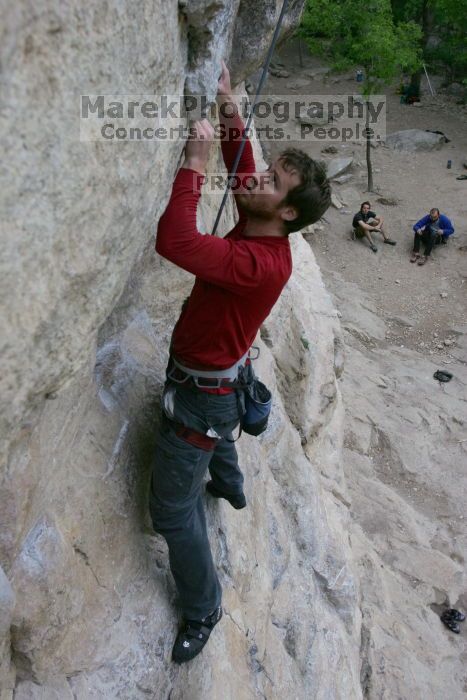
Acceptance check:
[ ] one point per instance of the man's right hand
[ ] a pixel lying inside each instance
(198, 146)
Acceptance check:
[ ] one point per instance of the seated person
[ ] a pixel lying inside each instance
(409, 94)
(365, 222)
(432, 229)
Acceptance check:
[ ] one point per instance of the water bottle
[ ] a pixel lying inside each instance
(449, 164)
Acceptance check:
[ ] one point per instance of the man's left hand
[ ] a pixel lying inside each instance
(198, 146)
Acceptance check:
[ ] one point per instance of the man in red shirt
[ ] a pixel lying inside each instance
(238, 280)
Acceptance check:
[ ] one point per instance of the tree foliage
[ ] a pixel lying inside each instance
(358, 33)
(363, 33)
(444, 33)
(450, 27)
(436, 29)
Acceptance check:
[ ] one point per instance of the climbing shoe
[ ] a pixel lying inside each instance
(389, 241)
(236, 500)
(374, 248)
(453, 614)
(193, 636)
(442, 375)
(450, 624)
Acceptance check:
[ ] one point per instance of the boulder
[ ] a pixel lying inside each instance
(414, 140)
(337, 166)
(279, 73)
(341, 179)
(308, 230)
(318, 72)
(313, 116)
(297, 84)
(336, 202)
(388, 201)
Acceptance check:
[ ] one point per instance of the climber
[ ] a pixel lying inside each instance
(238, 280)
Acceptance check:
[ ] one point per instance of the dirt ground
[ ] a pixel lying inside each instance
(418, 181)
(406, 441)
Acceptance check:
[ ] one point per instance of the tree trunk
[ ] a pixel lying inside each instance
(426, 22)
(415, 80)
(368, 150)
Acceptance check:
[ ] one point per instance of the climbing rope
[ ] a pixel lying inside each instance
(231, 176)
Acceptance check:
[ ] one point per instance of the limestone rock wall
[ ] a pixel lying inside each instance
(86, 596)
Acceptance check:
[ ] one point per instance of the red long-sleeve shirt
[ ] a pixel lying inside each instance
(238, 278)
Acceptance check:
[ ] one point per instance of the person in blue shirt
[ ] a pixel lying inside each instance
(432, 229)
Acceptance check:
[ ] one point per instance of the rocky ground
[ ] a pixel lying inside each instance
(406, 438)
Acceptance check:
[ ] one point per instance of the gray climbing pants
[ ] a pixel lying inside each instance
(177, 493)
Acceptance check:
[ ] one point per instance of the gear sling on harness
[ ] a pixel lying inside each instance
(254, 398)
(258, 402)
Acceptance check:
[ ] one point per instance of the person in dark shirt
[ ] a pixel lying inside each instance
(432, 229)
(239, 277)
(366, 221)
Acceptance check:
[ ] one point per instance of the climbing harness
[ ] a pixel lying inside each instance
(254, 400)
(258, 402)
(220, 376)
(231, 176)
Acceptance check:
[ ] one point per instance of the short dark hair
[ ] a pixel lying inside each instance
(434, 209)
(312, 196)
(363, 204)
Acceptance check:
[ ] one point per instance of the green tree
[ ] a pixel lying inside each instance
(443, 39)
(359, 33)
(450, 30)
